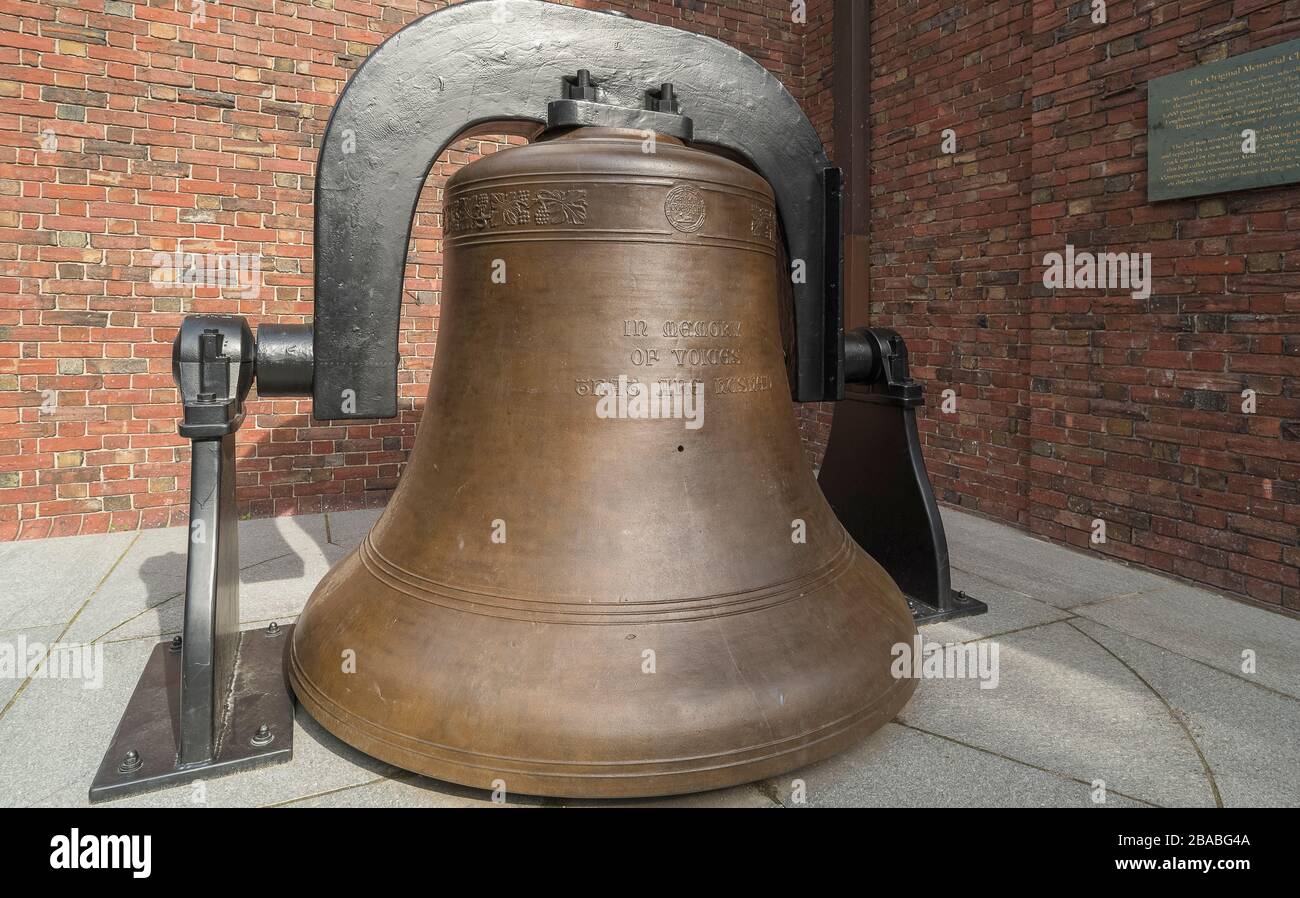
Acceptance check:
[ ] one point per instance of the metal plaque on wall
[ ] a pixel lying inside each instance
(1227, 125)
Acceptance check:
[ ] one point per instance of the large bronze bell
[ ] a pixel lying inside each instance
(608, 569)
(579, 605)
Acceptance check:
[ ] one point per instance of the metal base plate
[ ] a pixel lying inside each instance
(151, 723)
(962, 606)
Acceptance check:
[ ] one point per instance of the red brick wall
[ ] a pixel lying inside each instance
(950, 233)
(1135, 408)
(175, 132)
(1080, 405)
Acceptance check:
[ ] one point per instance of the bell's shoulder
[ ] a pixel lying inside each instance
(607, 153)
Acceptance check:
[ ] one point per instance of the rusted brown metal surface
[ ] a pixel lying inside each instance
(580, 604)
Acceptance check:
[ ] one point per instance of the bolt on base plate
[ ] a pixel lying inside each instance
(257, 732)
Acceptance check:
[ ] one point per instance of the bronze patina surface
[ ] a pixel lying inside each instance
(585, 605)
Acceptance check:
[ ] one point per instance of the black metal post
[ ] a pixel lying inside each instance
(211, 599)
(873, 475)
(214, 700)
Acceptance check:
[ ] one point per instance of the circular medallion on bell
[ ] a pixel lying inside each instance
(684, 208)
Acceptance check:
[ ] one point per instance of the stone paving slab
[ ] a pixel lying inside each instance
(903, 767)
(346, 528)
(1210, 628)
(52, 738)
(23, 643)
(1249, 735)
(409, 791)
(1051, 573)
(280, 560)
(1009, 610)
(44, 581)
(405, 790)
(752, 795)
(51, 742)
(1065, 704)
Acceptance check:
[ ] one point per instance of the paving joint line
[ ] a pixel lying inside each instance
(1014, 630)
(22, 687)
(178, 595)
(1177, 654)
(1001, 756)
(291, 801)
(1176, 715)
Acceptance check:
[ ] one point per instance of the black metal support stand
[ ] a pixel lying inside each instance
(873, 475)
(215, 700)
